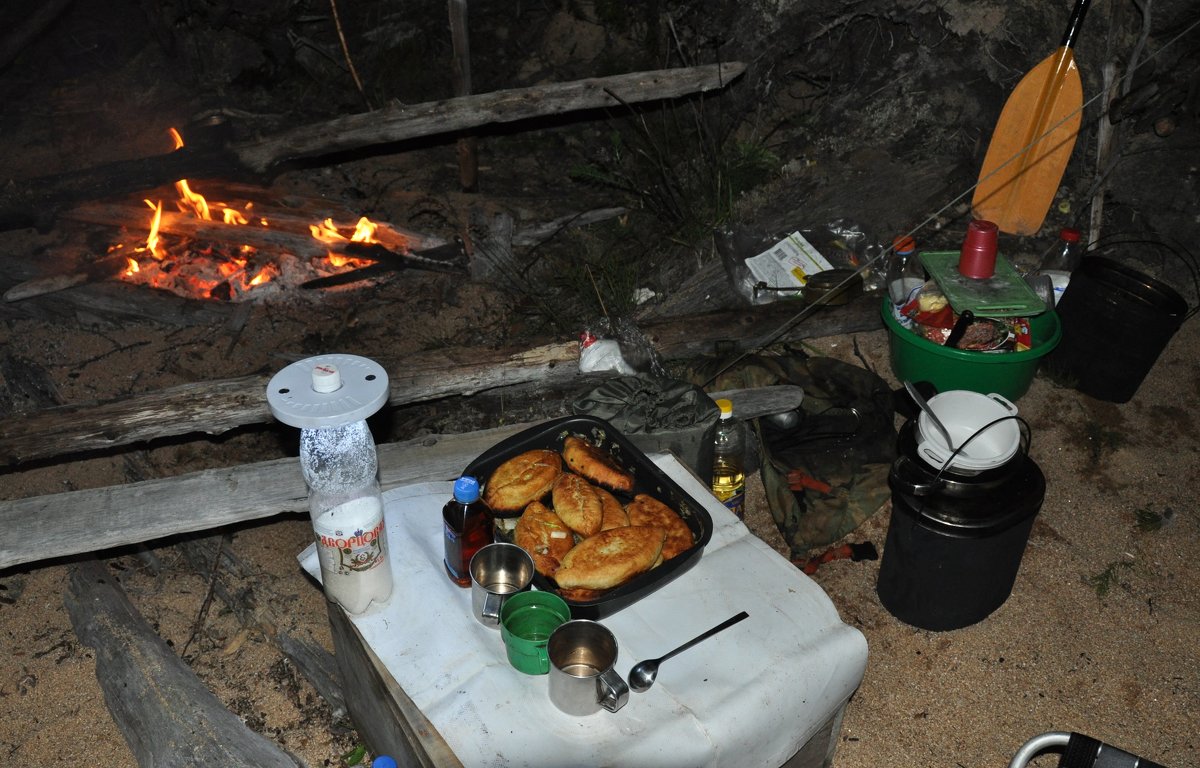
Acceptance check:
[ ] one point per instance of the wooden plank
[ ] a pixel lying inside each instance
(98, 519)
(169, 718)
(401, 122)
(30, 202)
(215, 407)
(383, 714)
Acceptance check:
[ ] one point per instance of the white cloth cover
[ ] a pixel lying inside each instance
(752, 695)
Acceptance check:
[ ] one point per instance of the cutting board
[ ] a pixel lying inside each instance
(1004, 294)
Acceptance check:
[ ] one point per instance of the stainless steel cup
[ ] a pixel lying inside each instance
(582, 677)
(497, 571)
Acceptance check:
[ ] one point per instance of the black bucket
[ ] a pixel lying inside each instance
(1115, 323)
(952, 555)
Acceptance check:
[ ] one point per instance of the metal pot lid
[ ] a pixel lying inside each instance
(977, 514)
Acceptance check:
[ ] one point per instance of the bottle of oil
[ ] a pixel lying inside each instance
(467, 525)
(729, 460)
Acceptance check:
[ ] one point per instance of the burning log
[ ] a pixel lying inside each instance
(29, 202)
(287, 233)
(251, 250)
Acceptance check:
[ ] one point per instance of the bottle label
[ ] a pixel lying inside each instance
(735, 503)
(351, 537)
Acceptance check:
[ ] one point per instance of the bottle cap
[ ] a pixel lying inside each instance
(383, 761)
(903, 244)
(1070, 234)
(326, 378)
(327, 391)
(725, 407)
(466, 489)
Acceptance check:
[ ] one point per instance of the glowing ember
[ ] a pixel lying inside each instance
(183, 265)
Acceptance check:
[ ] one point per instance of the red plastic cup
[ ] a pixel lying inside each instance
(978, 258)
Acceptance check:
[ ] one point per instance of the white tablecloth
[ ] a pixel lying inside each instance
(752, 695)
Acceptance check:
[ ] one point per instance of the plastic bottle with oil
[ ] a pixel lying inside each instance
(729, 460)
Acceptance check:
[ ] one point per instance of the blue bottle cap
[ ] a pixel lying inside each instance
(466, 489)
(383, 761)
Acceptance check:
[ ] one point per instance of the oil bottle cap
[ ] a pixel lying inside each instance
(466, 489)
(1070, 234)
(726, 408)
(903, 244)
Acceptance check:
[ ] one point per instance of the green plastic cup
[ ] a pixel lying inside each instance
(526, 622)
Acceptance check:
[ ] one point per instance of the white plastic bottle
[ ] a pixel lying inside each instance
(729, 460)
(329, 399)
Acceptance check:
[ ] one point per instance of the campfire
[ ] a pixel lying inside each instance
(235, 251)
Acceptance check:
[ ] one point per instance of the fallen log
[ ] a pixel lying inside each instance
(215, 407)
(29, 202)
(168, 717)
(98, 519)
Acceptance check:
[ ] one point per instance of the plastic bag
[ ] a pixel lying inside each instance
(842, 243)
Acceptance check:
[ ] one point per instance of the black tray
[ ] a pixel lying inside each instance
(647, 478)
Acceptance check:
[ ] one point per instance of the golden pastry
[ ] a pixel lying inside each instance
(613, 514)
(544, 536)
(611, 558)
(526, 477)
(577, 502)
(647, 510)
(596, 465)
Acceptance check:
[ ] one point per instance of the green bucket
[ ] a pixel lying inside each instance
(915, 358)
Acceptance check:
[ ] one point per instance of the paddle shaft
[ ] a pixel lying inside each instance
(1081, 7)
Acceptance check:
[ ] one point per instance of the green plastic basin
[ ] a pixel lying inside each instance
(1010, 374)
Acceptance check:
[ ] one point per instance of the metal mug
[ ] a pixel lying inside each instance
(582, 675)
(498, 571)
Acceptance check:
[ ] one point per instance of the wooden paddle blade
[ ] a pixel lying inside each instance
(1030, 147)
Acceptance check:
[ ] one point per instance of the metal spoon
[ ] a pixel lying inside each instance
(641, 677)
(916, 396)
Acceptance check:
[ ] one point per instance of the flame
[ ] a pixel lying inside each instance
(152, 242)
(364, 231)
(190, 201)
(328, 233)
(227, 274)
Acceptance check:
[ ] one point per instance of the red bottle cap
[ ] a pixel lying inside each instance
(903, 244)
(1070, 234)
(978, 258)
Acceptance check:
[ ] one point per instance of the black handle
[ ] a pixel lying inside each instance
(1086, 752)
(1075, 23)
(960, 327)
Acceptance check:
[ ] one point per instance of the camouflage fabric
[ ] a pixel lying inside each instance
(656, 414)
(846, 438)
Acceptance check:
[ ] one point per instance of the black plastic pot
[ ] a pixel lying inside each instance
(952, 553)
(1115, 323)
